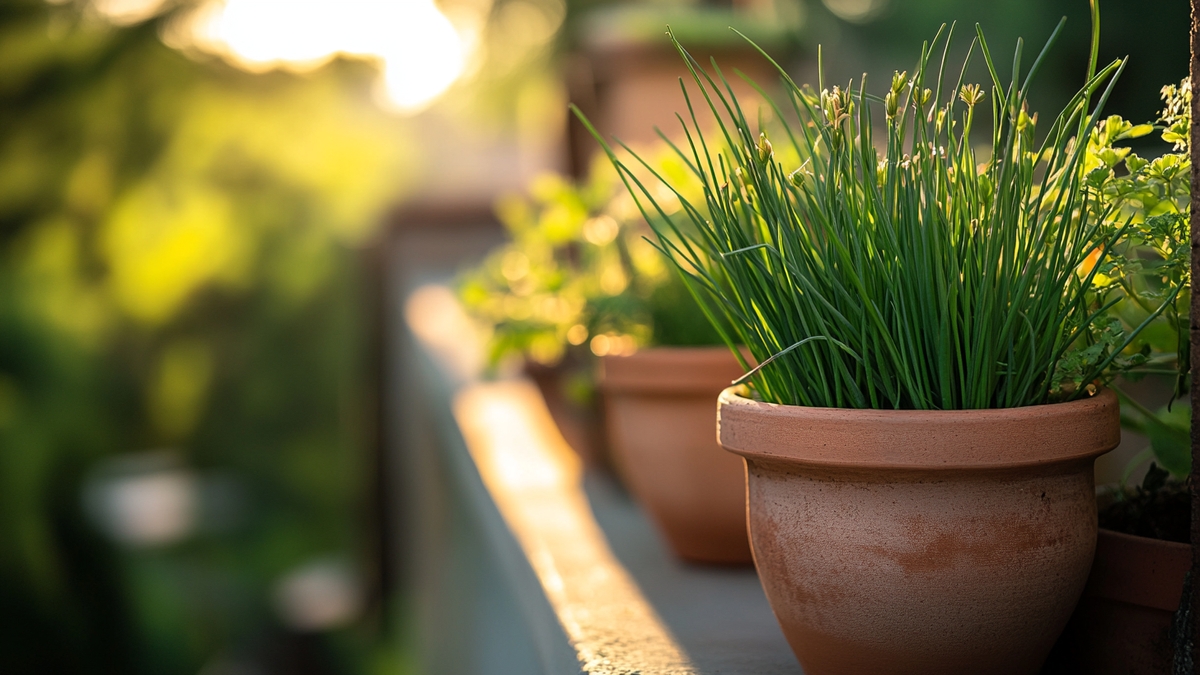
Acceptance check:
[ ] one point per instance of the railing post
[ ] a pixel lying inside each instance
(1194, 74)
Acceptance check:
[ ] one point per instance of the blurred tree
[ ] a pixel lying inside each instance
(177, 270)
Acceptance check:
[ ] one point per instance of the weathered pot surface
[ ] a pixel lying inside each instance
(921, 542)
(1123, 621)
(661, 412)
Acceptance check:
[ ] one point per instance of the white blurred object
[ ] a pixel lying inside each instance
(319, 595)
(856, 11)
(144, 500)
(153, 499)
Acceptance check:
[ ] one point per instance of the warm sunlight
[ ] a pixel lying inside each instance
(420, 52)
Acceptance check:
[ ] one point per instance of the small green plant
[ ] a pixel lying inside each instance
(908, 271)
(580, 273)
(1151, 268)
(1159, 508)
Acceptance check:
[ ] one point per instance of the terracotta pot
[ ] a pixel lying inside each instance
(921, 542)
(629, 88)
(1123, 621)
(661, 409)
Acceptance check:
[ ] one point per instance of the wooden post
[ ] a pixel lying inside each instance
(1194, 480)
(380, 501)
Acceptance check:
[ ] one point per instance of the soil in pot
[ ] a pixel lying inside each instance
(1122, 625)
(1159, 508)
(661, 409)
(921, 542)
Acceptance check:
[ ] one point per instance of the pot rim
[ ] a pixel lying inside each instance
(1166, 544)
(669, 370)
(936, 440)
(1141, 571)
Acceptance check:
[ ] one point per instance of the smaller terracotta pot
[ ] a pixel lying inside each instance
(661, 410)
(1122, 624)
(904, 542)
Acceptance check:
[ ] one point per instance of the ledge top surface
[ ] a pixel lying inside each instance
(623, 602)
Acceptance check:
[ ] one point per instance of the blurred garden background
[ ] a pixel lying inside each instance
(190, 196)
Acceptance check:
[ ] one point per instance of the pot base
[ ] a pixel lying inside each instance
(921, 576)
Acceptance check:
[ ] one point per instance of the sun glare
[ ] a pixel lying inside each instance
(419, 50)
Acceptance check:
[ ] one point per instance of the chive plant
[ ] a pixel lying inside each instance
(903, 273)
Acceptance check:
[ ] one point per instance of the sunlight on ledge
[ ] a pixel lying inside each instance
(535, 480)
(436, 319)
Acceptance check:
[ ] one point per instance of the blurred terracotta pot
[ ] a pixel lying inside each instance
(921, 542)
(661, 411)
(1122, 624)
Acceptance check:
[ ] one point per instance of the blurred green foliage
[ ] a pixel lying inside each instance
(581, 271)
(1151, 273)
(179, 270)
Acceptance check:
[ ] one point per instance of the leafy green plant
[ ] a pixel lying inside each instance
(917, 276)
(579, 272)
(1151, 268)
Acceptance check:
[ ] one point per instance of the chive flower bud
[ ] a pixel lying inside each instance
(765, 151)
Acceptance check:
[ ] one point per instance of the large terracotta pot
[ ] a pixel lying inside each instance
(921, 542)
(1122, 624)
(661, 410)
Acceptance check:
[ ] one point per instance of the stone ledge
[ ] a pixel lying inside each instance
(597, 590)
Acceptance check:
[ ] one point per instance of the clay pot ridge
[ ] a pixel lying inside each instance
(1005, 438)
(1139, 570)
(670, 370)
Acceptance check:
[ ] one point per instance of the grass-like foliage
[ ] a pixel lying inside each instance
(903, 271)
